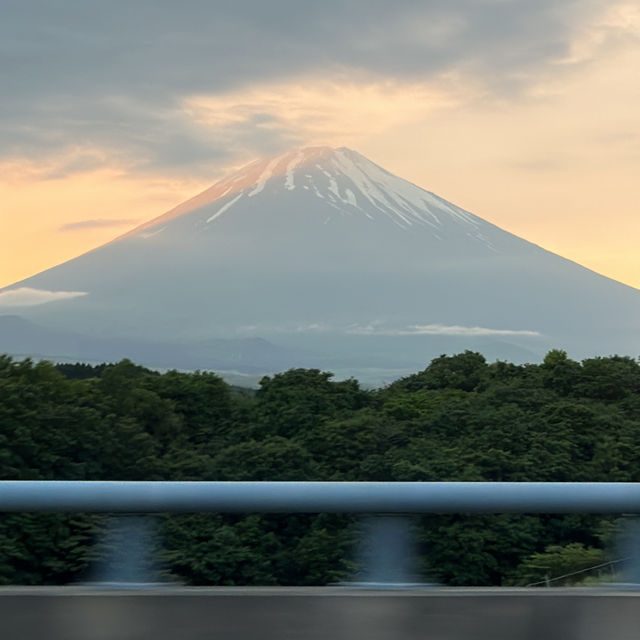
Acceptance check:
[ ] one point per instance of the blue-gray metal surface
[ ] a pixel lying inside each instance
(316, 497)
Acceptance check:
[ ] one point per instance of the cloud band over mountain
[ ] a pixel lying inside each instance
(442, 330)
(29, 297)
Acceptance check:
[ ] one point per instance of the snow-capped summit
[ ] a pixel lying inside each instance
(321, 249)
(346, 181)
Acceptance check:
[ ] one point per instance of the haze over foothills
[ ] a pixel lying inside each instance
(527, 114)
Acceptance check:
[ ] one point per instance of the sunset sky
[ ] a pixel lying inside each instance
(524, 113)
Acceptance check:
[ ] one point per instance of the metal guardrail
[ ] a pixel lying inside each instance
(316, 497)
(387, 563)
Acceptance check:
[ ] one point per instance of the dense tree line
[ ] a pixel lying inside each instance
(460, 419)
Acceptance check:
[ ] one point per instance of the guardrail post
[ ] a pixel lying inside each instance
(127, 553)
(629, 543)
(387, 553)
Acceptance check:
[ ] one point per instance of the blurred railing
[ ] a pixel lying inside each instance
(387, 534)
(316, 497)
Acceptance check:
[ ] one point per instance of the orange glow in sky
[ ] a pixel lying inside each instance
(556, 162)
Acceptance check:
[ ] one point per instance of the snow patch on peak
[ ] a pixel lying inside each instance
(258, 174)
(145, 235)
(294, 163)
(405, 203)
(264, 176)
(224, 208)
(351, 197)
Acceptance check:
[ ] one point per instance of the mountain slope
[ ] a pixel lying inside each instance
(321, 248)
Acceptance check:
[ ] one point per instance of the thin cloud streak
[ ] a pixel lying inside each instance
(98, 223)
(29, 297)
(378, 329)
(442, 330)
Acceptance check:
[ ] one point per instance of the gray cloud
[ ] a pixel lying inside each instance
(113, 74)
(96, 224)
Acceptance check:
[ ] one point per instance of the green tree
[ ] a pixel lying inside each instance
(560, 565)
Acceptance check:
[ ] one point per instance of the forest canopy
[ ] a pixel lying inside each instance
(461, 418)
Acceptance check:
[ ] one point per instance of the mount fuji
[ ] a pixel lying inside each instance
(323, 258)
